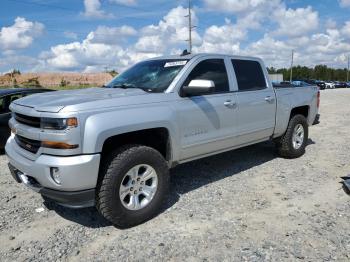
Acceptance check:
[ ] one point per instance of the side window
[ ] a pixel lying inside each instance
(249, 75)
(15, 97)
(211, 69)
(3, 107)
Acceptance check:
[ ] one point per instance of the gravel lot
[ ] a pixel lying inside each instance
(247, 204)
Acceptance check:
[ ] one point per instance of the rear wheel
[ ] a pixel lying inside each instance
(133, 185)
(292, 144)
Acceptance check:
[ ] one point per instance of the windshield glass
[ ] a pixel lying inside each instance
(150, 76)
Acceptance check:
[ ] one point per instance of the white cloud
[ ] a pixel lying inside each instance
(222, 39)
(93, 9)
(344, 3)
(170, 32)
(237, 6)
(282, 30)
(71, 35)
(79, 55)
(249, 13)
(346, 30)
(111, 35)
(320, 48)
(20, 35)
(103, 47)
(331, 23)
(124, 2)
(296, 22)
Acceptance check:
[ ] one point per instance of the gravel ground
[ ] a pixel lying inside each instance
(248, 204)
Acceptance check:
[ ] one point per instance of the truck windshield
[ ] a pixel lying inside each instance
(150, 76)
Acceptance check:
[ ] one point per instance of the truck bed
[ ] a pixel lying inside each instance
(291, 97)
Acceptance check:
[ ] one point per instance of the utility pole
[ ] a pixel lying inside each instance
(347, 75)
(291, 67)
(190, 26)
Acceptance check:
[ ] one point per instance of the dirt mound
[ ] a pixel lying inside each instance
(56, 79)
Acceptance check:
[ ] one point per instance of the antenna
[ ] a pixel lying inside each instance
(190, 26)
(291, 67)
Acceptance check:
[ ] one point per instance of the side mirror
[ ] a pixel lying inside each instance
(199, 87)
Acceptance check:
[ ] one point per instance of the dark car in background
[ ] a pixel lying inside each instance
(320, 84)
(7, 96)
(340, 84)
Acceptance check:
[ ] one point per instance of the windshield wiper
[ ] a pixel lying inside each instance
(123, 86)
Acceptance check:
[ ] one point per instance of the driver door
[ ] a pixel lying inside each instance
(207, 121)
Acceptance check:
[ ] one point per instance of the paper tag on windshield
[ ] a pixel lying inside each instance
(176, 63)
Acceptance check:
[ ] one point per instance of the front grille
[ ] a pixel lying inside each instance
(28, 120)
(28, 144)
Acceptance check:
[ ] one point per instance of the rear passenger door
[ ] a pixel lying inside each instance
(207, 121)
(256, 102)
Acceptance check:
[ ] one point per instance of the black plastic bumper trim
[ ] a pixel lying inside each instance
(77, 199)
(14, 173)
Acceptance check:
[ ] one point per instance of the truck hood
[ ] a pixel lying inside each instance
(54, 102)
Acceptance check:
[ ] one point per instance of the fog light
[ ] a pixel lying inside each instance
(54, 171)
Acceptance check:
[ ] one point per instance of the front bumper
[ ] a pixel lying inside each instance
(76, 199)
(78, 175)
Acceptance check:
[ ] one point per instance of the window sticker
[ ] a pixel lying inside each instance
(176, 63)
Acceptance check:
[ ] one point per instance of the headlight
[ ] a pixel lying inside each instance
(58, 123)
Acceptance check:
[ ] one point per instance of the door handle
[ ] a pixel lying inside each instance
(269, 99)
(230, 103)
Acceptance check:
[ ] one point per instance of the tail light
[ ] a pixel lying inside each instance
(318, 99)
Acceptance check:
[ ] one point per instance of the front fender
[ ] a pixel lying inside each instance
(101, 126)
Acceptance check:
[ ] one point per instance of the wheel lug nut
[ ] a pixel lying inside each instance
(140, 189)
(135, 192)
(133, 182)
(132, 189)
(138, 179)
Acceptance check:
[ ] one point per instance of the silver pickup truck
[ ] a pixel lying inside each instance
(112, 147)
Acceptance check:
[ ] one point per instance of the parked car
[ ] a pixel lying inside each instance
(300, 83)
(321, 84)
(348, 84)
(282, 84)
(7, 96)
(338, 84)
(329, 85)
(112, 147)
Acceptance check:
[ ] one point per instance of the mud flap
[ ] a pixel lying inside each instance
(346, 184)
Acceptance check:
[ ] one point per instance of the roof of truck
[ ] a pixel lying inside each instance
(190, 56)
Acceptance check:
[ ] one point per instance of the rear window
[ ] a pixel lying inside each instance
(249, 75)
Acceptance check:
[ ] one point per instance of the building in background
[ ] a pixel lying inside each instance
(276, 77)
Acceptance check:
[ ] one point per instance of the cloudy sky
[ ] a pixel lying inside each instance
(91, 35)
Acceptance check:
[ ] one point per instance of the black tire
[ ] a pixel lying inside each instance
(112, 173)
(285, 143)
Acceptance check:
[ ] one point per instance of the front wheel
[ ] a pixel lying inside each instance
(133, 185)
(292, 144)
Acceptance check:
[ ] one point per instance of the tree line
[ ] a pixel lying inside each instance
(319, 72)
